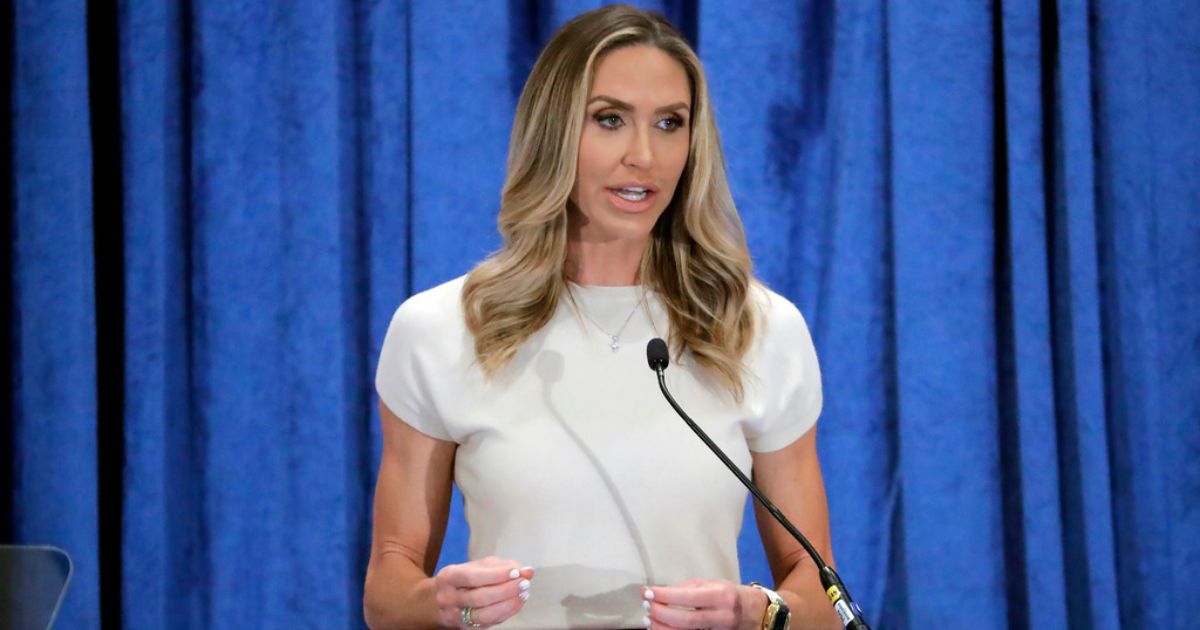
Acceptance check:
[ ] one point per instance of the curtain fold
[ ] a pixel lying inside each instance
(53, 302)
(1146, 84)
(1028, 433)
(162, 547)
(855, 321)
(988, 213)
(941, 138)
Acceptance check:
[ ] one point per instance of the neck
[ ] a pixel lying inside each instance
(605, 263)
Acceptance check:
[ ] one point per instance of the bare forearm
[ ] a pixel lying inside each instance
(399, 596)
(803, 593)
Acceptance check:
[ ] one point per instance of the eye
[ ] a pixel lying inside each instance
(608, 120)
(670, 123)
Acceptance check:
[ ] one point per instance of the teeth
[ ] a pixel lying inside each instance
(632, 194)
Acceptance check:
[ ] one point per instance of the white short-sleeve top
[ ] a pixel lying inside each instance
(571, 461)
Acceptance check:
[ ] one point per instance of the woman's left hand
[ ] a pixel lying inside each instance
(700, 603)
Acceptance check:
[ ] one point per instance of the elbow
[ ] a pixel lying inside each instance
(372, 614)
(375, 609)
(395, 597)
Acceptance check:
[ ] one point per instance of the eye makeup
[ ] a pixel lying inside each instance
(609, 119)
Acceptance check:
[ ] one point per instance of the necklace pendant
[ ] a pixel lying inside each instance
(616, 344)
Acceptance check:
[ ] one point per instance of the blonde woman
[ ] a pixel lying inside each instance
(590, 504)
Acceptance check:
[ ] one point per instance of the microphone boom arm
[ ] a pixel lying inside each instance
(762, 498)
(845, 607)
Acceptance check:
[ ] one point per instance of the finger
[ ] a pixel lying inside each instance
(476, 574)
(495, 613)
(488, 595)
(706, 594)
(668, 616)
(659, 625)
(493, 561)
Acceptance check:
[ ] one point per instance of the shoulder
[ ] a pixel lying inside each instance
(426, 332)
(423, 340)
(437, 310)
(782, 342)
(780, 322)
(784, 393)
(429, 324)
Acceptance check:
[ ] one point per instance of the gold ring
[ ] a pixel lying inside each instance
(466, 618)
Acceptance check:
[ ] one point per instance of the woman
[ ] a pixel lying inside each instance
(590, 503)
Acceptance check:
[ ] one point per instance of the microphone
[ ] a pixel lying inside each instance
(658, 357)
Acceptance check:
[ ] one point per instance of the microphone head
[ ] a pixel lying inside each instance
(657, 355)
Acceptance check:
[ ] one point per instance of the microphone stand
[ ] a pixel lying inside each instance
(843, 604)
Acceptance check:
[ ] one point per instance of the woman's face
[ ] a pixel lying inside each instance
(634, 144)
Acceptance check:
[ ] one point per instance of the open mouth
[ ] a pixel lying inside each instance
(632, 194)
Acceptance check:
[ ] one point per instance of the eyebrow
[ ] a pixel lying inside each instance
(619, 104)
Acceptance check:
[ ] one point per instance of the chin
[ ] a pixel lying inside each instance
(615, 224)
(632, 227)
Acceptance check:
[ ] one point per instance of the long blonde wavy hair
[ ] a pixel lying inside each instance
(697, 261)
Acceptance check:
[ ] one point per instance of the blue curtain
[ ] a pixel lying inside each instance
(989, 213)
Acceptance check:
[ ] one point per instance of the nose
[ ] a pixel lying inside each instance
(639, 153)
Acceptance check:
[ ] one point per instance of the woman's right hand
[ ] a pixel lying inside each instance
(492, 589)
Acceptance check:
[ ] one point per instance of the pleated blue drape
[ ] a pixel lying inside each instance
(52, 304)
(989, 213)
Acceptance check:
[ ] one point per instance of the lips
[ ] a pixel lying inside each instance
(634, 185)
(625, 199)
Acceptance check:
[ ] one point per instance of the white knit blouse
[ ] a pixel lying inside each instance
(571, 461)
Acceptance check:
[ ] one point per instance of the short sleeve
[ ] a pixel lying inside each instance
(406, 369)
(789, 379)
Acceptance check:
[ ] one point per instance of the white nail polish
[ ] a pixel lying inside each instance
(524, 596)
(649, 594)
(646, 621)
(514, 573)
(646, 605)
(523, 585)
